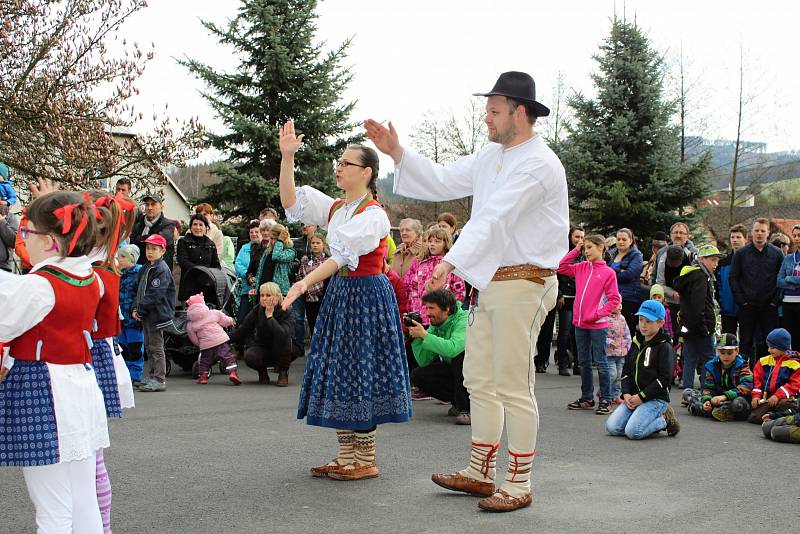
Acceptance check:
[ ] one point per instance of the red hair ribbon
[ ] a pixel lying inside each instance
(64, 214)
(125, 206)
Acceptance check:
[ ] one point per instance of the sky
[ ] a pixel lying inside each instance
(417, 56)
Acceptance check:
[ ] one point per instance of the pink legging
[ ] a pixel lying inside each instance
(103, 486)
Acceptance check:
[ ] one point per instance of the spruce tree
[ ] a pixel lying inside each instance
(622, 153)
(282, 73)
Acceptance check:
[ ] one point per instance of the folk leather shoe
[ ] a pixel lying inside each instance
(503, 502)
(458, 482)
(322, 471)
(356, 472)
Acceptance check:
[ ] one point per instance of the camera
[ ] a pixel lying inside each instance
(410, 317)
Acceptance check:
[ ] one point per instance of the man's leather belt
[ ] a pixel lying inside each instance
(523, 272)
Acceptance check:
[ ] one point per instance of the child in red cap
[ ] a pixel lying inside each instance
(155, 307)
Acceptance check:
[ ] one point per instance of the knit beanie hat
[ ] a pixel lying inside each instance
(780, 339)
(129, 251)
(657, 289)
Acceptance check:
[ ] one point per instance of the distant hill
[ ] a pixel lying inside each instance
(193, 178)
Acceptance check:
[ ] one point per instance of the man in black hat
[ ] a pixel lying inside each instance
(152, 221)
(509, 250)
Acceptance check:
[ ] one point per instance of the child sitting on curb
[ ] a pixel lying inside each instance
(646, 380)
(727, 385)
(776, 378)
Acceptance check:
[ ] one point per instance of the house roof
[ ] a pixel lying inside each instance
(785, 226)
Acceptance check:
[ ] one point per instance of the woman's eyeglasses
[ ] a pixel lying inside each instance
(25, 232)
(345, 163)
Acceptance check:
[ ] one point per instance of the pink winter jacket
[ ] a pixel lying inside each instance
(417, 277)
(205, 326)
(596, 293)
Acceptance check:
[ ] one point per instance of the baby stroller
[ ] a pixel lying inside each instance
(218, 287)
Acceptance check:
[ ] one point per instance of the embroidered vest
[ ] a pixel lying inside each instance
(63, 336)
(371, 263)
(108, 314)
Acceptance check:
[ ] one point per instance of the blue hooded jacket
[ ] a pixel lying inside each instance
(6, 189)
(727, 305)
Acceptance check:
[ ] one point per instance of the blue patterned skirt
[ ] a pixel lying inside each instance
(356, 374)
(103, 363)
(28, 435)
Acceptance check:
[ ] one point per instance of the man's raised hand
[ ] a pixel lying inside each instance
(384, 138)
(289, 142)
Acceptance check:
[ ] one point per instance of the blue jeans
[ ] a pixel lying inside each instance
(646, 419)
(592, 347)
(615, 365)
(696, 352)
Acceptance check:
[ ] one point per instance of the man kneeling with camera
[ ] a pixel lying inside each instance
(439, 351)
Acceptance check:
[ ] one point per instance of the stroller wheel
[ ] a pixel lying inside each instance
(169, 367)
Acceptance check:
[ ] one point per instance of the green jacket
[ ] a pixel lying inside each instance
(445, 341)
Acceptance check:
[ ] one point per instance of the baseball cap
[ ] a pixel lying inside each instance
(652, 310)
(727, 341)
(156, 239)
(708, 250)
(151, 196)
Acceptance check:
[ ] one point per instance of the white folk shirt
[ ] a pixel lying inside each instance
(520, 213)
(348, 237)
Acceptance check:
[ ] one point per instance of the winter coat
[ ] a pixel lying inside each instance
(155, 297)
(754, 275)
(628, 272)
(274, 334)
(596, 291)
(649, 367)
(163, 227)
(777, 376)
(566, 284)
(724, 293)
(216, 237)
(698, 305)
(205, 327)
(242, 264)
(228, 255)
(283, 257)
(789, 277)
(418, 276)
(618, 339)
(8, 237)
(128, 287)
(404, 256)
(735, 381)
(7, 193)
(308, 264)
(445, 341)
(195, 251)
(666, 275)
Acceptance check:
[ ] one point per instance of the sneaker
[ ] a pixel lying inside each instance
(463, 419)
(153, 386)
(143, 383)
(604, 408)
(722, 413)
(673, 426)
(453, 411)
(563, 371)
(581, 404)
(419, 395)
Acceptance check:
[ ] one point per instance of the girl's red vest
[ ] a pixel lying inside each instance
(371, 263)
(62, 337)
(108, 321)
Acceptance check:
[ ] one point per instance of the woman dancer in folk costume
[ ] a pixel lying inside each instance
(356, 376)
(115, 217)
(52, 415)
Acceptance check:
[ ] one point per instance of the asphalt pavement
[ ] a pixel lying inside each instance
(218, 459)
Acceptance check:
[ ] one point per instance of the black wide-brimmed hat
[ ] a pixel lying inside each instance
(518, 86)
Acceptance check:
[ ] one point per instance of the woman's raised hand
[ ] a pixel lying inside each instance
(385, 139)
(289, 142)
